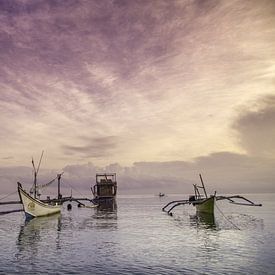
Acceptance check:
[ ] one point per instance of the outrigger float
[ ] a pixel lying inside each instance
(205, 204)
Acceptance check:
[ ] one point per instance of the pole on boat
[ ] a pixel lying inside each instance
(59, 196)
(35, 174)
(34, 181)
(203, 186)
(40, 161)
(58, 186)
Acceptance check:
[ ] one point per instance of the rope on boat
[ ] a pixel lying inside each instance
(78, 193)
(66, 183)
(8, 195)
(227, 218)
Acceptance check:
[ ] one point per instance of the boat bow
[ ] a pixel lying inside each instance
(34, 207)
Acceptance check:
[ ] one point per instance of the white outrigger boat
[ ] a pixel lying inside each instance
(205, 204)
(34, 207)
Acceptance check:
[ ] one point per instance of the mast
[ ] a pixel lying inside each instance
(59, 196)
(36, 173)
(34, 181)
(203, 186)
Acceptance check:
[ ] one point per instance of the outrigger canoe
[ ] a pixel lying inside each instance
(34, 207)
(206, 204)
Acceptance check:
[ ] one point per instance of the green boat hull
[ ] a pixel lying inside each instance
(205, 205)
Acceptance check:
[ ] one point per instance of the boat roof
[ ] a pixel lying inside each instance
(106, 178)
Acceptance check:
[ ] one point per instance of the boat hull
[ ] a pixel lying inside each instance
(205, 205)
(34, 207)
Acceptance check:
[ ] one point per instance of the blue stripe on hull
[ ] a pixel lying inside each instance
(29, 216)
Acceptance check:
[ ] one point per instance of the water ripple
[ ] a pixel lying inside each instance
(136, 237)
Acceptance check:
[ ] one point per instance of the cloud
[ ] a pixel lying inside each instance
(223, 172)
(153, 74)
(94, 148)
(255, 128)
(8, 157)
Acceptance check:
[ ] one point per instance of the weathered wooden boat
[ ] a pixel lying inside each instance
(206, 204)
(34, 207)
(105, 187)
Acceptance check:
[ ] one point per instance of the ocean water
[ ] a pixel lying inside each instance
(134, 236)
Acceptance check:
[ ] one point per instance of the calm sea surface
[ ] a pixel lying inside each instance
(136, 237)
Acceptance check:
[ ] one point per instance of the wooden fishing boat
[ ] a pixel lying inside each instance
(105, 187)
(203, 203)
(34, 207)
(206, 204)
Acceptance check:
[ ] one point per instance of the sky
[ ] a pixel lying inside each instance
(155, 90)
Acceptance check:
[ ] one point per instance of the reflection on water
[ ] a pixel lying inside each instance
(203, 220)
(105, 215)
(138, 238)
(107, 205)
(33, 232)
(102, 217)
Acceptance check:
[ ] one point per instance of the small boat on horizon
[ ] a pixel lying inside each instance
(161, 194)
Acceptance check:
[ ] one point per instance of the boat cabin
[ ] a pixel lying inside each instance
(105, 187)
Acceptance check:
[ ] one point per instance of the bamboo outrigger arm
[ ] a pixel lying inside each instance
(174, 204)
(231, 200)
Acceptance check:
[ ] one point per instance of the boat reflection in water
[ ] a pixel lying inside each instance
(104, 192)
(203, 220)
(105, 215)
(108, 205)
(35, 231)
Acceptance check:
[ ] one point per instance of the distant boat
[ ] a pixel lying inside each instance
(205, 204)
(105, 187)
(34, 207)
(161, 194)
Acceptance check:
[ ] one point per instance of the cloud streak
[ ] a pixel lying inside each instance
(94, 148)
